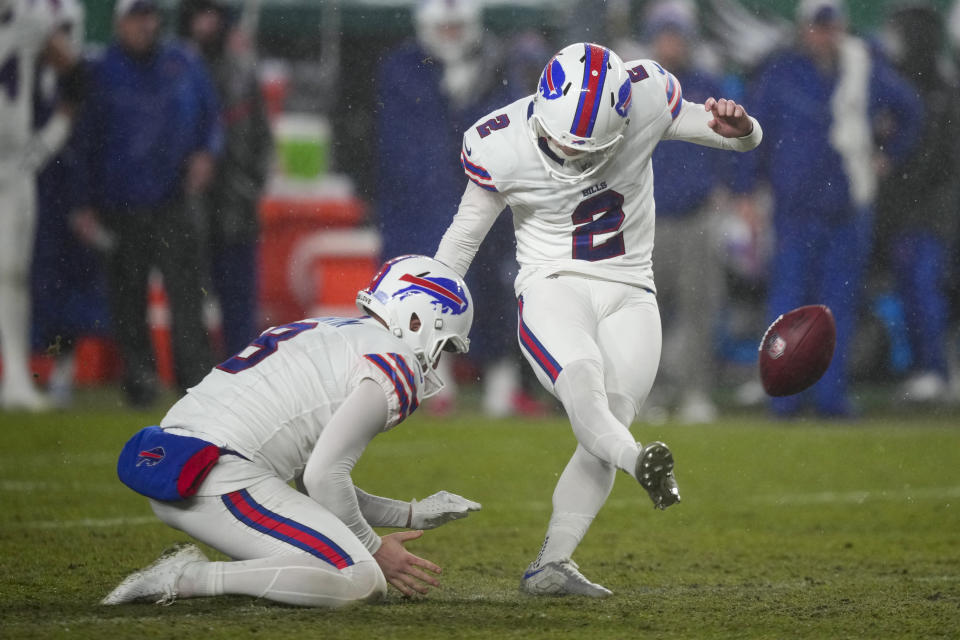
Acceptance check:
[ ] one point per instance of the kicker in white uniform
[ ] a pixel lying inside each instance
(573, 164)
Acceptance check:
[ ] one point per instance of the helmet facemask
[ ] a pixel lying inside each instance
(576, 166)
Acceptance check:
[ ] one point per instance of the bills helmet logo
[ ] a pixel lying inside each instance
(444, 292)
(624, 99)
(776, 346)
(151, 457)
(551, 82)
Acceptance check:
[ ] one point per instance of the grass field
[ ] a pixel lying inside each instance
(786, 530)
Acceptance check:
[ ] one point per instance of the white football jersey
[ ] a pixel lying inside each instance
(25, 29)
(271, 401)
(603, 226)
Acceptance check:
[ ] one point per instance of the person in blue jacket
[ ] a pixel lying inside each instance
(917, 217)
(67, 285)
(429, 91)
(147, 139)
(821, 103)
(233, 200)
(688, 262)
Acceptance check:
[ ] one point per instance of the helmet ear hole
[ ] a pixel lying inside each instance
(415, 323)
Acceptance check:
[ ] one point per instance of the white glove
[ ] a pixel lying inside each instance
(441, 507)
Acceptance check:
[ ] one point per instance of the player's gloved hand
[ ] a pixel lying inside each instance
(441, 507)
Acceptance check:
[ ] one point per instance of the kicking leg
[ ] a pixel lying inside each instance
(558, 336)
(629, 337)
(569, 364)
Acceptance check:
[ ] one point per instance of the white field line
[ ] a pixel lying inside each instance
(907, 494)
(268, 611)
(86, 523)
(53, 458)
(243, 611)
(42, 486)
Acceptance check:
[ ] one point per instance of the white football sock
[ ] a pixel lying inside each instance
(296, 580)
(582, 489)
(501, 380)
(15, 335)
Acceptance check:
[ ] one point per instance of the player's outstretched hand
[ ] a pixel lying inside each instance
(441, 507)
(408, 573)
(729, 120)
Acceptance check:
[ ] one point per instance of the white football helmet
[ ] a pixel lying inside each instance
(425, 304)
(580, 110)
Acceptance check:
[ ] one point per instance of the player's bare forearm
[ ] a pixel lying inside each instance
(729, 119)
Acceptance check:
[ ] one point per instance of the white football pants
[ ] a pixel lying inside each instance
(286, 547)
(18, 217)
(595, 345)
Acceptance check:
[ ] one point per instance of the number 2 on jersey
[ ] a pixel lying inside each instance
(493, 124)
(263, 346)
(601, 214)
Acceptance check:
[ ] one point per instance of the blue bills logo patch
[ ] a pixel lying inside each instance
(444, 292)
(551, 82)
(151, 457)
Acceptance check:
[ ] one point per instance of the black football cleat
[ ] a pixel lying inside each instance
(654, 472)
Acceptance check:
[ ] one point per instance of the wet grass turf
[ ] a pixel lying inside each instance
(786, 530)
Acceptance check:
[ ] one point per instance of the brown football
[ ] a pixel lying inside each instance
(797, 349)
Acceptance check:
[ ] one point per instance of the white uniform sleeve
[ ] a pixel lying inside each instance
(691, 126)
(326, 477)
(478, 211)
(383, 512)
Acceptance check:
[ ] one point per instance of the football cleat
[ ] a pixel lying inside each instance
(654, 472)
(157, 582)
(560, 578)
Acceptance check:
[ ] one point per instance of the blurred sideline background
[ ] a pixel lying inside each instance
(318, 61)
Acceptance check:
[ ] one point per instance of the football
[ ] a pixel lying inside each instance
(797, 349)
